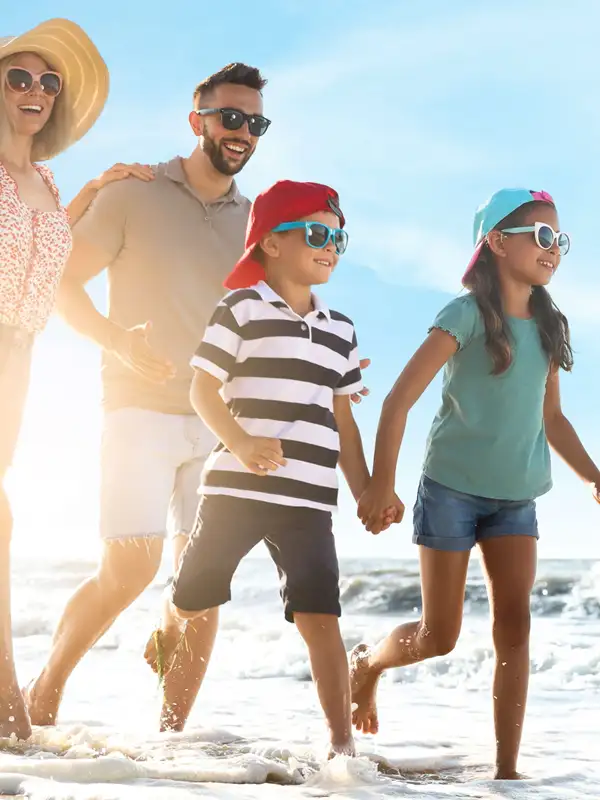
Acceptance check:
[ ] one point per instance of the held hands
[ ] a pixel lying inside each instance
(131, 346)
(120, 171)
(379, 507)
(259, 454)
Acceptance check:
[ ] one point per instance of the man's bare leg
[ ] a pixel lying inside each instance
(186, 674)
(443, 580)
(165, 643)
(329, 666)
(127, 567)
(13, 714)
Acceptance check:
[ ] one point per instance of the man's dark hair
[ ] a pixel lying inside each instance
(237, 73)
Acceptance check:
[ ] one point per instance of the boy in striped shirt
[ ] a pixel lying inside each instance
(274, 376)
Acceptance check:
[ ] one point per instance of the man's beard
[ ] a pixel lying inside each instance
(218, 160)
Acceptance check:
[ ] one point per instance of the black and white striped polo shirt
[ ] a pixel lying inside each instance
(280, 373)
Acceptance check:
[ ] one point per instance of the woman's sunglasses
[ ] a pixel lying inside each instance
(22, 81)
(318, 235)
(545, 236)
(232, 119)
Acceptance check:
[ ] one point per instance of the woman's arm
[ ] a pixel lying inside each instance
(564, 440)
(81, 202)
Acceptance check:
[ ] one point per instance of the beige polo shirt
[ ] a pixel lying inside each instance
(169, 254)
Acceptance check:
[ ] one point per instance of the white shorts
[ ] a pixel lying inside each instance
(151, 466)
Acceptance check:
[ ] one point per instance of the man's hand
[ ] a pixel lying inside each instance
(379, 507)
(259, 454)
(131, 346)
(356, 398)
(120, 171)
(596, 491)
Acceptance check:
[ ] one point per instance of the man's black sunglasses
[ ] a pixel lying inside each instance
(232, 119)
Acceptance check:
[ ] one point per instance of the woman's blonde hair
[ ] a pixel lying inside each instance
(54, 132)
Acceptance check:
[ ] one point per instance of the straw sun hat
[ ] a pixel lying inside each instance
(69, 50)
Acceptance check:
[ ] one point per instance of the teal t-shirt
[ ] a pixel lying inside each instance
(488, 438)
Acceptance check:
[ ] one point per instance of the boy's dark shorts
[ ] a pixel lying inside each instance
(300, 541)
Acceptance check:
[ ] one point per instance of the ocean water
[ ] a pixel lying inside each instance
(256, 730)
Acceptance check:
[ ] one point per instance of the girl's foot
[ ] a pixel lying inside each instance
(363, 686)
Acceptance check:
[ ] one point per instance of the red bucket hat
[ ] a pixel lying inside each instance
(285, 201)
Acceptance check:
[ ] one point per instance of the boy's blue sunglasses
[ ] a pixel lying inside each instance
(318, 234)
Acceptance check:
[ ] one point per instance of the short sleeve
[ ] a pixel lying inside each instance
(221, 343)
(103, 223)
(460, 318)
(351, 382)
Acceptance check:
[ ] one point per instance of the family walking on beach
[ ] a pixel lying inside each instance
(228, 388)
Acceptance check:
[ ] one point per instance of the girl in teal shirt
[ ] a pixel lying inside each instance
(502, 346)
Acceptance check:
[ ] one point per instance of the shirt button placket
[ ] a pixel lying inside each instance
(304, 327)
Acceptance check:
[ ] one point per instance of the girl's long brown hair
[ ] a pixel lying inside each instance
(483, 282)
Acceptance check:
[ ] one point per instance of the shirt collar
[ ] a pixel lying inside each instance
(174, 170)
(270, 296)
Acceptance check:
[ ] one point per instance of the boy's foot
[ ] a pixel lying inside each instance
(42, 704)
(14, 718)
(363, 686)
(346, 748)
(161, 649)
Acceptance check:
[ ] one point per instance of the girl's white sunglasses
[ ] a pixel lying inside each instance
(545, 236)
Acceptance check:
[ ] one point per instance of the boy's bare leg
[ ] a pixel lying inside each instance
(13, 714)
(126, 569)
(443, 579)
(329, 666)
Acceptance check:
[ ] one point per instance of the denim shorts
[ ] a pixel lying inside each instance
(445, 519)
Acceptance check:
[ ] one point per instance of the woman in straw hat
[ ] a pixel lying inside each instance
(54, 84)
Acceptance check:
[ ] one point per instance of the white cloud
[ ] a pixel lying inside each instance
(375, 115)
(579, 299)
(375, 100)
(373, 111)
(410, 256)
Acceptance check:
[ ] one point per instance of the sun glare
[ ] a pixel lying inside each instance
(54, 481)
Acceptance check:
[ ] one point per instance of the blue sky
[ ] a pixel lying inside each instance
(415, 112)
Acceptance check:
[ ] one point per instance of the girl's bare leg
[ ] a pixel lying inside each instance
(510, 565)
(443, 579)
